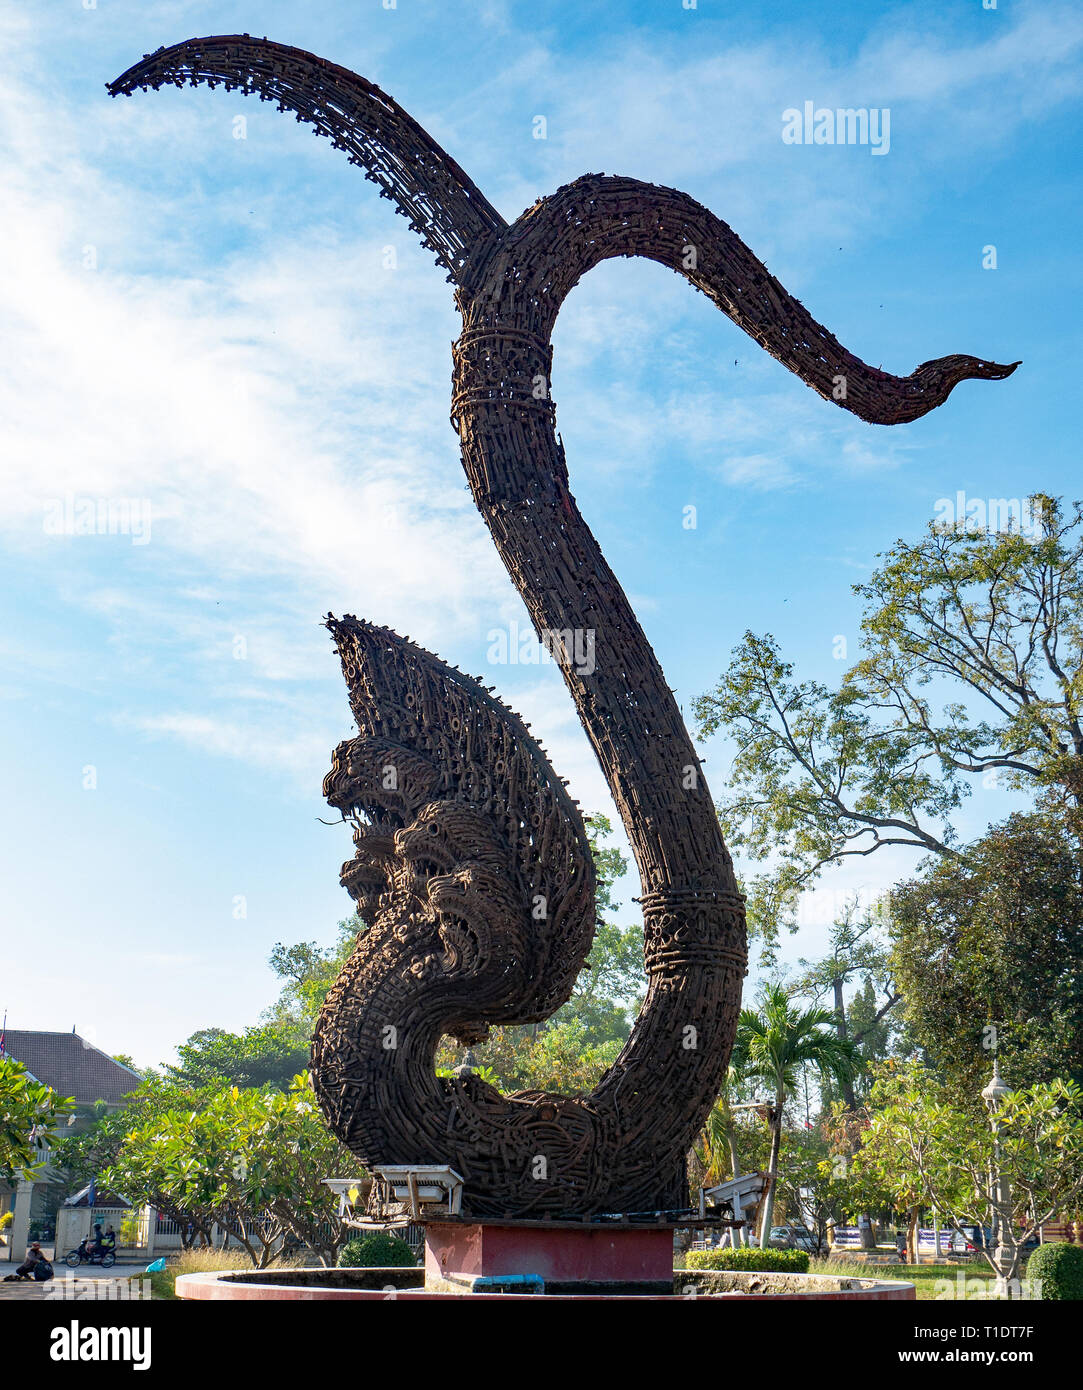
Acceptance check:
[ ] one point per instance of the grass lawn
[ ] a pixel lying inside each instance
(962, 1278)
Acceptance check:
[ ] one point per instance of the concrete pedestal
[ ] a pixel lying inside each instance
(568, 1257)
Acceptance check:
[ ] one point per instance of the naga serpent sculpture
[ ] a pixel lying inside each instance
(473, 871)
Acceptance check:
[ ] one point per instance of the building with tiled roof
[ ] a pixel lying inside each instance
(71, 1066)
(76, 1069)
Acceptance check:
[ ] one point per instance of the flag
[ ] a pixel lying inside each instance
(92, 1195)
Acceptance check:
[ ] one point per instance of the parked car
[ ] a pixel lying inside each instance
(791, 1238)
(973, 1239)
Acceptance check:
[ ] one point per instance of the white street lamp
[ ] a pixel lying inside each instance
(1000, 1194)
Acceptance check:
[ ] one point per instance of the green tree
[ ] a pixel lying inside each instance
(251, 1162)
(91, 1151)
(989, 954)
(308, 971)
(287, 1151)
(853, 1193)
(773, 1044)
(814, 1188)
(560, 1057)
(29, 1115)
(928, 1150)
(856, 948)
(973, 665)
(268, 1055)
(869, 1027)
(716, 1154)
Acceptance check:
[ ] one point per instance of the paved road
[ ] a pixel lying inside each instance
(88, 1281)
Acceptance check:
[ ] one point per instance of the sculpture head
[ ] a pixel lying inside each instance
(467, 845)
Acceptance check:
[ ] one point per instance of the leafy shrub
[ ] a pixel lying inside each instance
(1059, 1266)
(6, 1220)
(750, 1258)
(379, 1248)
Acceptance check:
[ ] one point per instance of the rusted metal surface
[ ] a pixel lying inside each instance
(463, 827)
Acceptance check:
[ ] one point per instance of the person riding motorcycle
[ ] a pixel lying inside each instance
(91, 1246)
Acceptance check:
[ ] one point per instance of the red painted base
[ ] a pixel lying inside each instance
(458, 1251)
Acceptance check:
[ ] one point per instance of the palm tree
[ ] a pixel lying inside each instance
(773, 1044)
(714, 1156)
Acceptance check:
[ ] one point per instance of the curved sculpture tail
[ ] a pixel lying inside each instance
(455, 220)
(446, 208)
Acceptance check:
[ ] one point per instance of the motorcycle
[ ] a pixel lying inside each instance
(105, 1258)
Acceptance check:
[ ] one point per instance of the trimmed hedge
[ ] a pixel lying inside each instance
(378, 1249)
(1059, 1266)
(750, 1258)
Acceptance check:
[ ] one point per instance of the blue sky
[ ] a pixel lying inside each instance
(207, 325)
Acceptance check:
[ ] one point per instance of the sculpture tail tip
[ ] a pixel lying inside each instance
(997, 371)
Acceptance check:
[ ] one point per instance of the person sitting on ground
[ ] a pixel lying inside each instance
(34, 1257)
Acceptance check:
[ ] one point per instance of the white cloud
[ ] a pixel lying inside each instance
(300, 754)
(760, 471)
(234, 399)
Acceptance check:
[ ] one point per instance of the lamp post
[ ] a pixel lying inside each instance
(1000, 1192)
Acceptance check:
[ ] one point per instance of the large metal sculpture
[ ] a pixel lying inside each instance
(472, 868)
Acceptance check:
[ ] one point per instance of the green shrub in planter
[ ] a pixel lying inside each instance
(750, 1258)
(1059, 1266)
(376, 1249)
